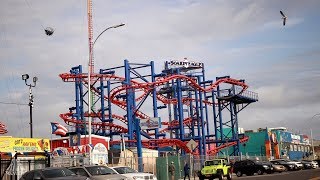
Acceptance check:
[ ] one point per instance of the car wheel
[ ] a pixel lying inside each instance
(229, 175)
(260, 171)
(239, 173)
(220, 175)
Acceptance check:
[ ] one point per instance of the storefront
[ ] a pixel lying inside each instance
(9, 146)
(78, 147)
(19, 155)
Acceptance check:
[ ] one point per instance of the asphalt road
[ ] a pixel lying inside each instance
(311, 174)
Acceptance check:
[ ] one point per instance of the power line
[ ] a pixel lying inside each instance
(29, 5)
(12, 103)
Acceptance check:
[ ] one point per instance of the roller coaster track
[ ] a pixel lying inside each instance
(159, 143)
(146, 87)
(66, 77)
(162, 81)
(225, 145)
(67, 117)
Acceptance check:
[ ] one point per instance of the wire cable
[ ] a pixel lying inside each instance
(13, 103)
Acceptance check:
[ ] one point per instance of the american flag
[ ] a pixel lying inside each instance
(58, 129)
(3, 128)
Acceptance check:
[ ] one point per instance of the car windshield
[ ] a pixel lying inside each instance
(124, 170)
(53, 173)
(213, 162)
(99, 170)
(262, 162)
(282, 161)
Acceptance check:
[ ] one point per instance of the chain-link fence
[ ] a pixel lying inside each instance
(14, 168)
(151, 164)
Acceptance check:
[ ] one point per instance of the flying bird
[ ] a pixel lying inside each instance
(284, 17)
(49, 31)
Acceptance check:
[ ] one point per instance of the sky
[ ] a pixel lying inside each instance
(243, 39)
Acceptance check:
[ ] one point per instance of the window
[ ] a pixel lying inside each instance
(79, 171)
(52, 173)
(214, 162)
(37, 175)
(99, 170)
(29, 175)
(250, 163)
(59, 172)
(124, 170)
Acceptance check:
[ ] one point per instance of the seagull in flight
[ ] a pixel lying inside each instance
(284, 17)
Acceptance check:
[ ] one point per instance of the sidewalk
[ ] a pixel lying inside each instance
(196, 178)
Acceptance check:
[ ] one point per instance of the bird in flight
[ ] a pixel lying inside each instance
(284, 17)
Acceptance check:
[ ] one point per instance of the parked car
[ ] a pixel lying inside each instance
(298, 164)
(314, 164)
(97, 172)
(306, 165)
(318, 161)
(52, 173)
(249, 167)
(288, 166)
(279, 168)
(132, 174)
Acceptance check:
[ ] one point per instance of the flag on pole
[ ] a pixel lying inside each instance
(58, 129)
(3, 128)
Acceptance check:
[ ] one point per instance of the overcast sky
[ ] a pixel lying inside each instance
(244, 39)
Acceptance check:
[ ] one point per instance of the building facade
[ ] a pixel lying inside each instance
(276, 143)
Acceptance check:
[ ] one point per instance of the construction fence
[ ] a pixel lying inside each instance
(12, 169)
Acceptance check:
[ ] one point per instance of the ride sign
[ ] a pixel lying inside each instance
(151, 123)
(185, 63)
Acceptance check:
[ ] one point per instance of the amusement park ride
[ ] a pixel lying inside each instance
(146, 107)
(187, 105)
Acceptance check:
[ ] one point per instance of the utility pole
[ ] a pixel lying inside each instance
(313, 153)
(25, 77)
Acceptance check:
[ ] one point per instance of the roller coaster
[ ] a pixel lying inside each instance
(187, 106)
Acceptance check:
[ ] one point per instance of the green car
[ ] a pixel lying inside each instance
(217, 168)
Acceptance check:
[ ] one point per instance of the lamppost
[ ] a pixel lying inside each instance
(313, 153)
(89, 82)
(25, 77)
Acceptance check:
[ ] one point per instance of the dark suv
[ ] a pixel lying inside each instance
(249, 167)
(52, 173)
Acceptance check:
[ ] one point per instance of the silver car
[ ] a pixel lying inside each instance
(97, 172)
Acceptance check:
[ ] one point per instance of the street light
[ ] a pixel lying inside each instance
(89, 81)
(313, 153)
(25, 77)
(116, 26)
